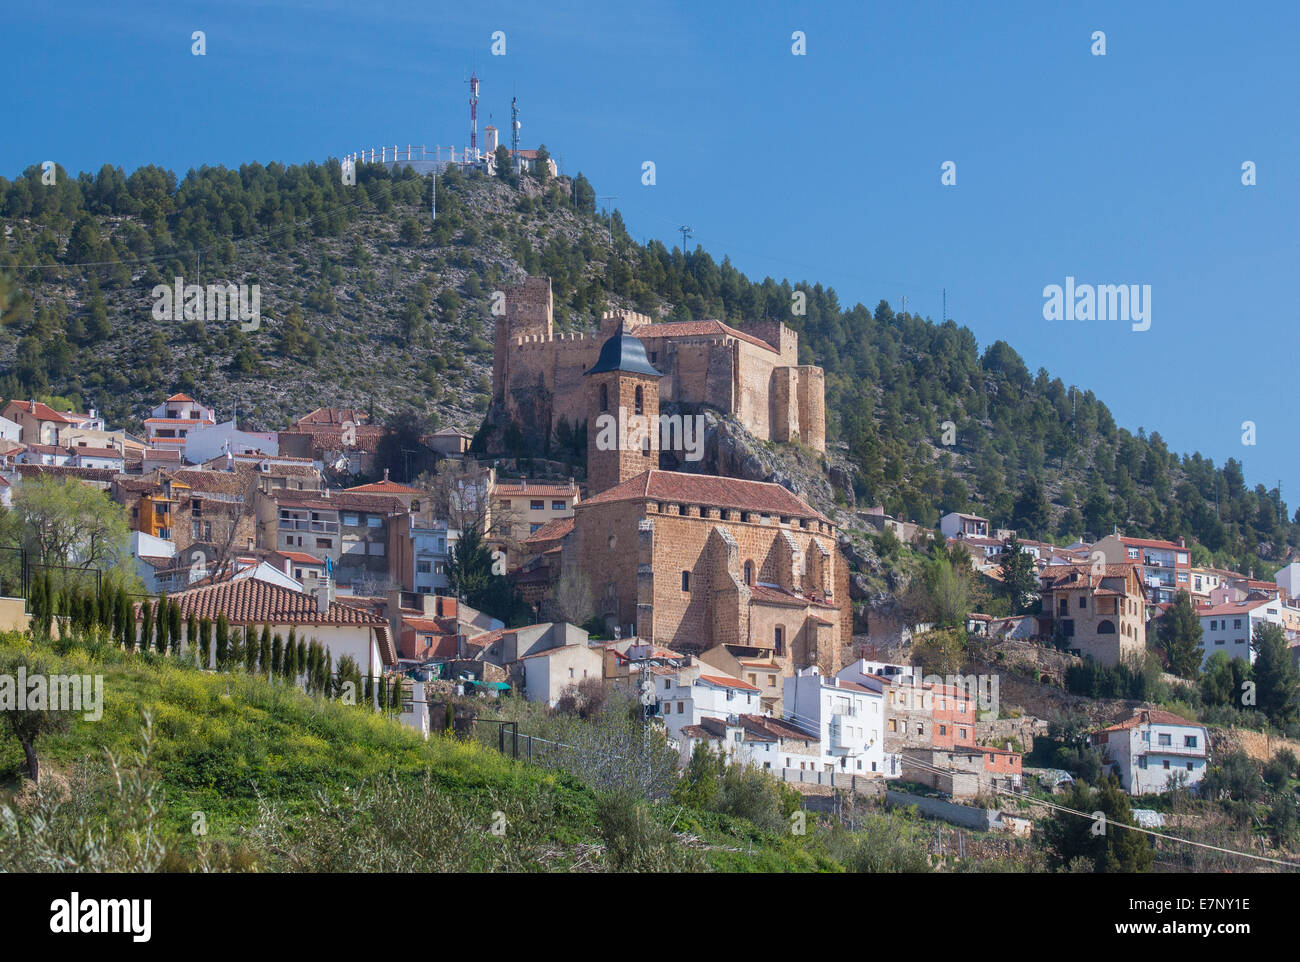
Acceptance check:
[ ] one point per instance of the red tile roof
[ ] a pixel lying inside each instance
(384, 487)
(180, 397)
(708, 490)
(43, 412)
(249, 601)
(769, 594)
(1152, 716)
(723, 682)
(552, 530)
(697, 329)
(1234, 607)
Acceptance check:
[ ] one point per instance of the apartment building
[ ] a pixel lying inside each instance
(1165, 567)
(1230, 627)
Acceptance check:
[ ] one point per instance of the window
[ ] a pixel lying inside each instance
(1189, 741)
(749, 572)
(686, 581)
(1083, 601)
(1236, 622)
(1142, 762)
(668, 708)
(1166, 764)
(351, 520)
(423, 567)
(558, 506)
(537, 504)
(374, 521)
(534, 528)
(943, 729)
(779, 640)
(1164, 739)
(604, 397)
(640, 401)
(1189, 766)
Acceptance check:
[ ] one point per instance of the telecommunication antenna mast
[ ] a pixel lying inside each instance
(685, 232)
(514, 131)
(473, 115)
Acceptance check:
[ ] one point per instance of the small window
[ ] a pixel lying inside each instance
(686, 581)
(558, 506)
(604, 397)
(538, 504)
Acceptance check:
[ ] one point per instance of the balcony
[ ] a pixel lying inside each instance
(296, 524)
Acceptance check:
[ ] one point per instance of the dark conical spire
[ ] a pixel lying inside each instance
(623, 352)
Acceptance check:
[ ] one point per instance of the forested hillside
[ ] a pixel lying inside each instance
(366, 302)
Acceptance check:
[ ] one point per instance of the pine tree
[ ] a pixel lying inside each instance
(1179, 636)
(1019, 577)
(1275, 675)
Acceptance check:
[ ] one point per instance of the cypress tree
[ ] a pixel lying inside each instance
(251, 649)
(174, 626)
(146, 624)
(37, 604)
(291, 660)
(125, 619)
(234, 648)
(107, 607)
(162, 624)
(277, 657)
(192, 632)
(205, 642)
(223, 641)
(302, 655)
(329, 674)
(264, 651)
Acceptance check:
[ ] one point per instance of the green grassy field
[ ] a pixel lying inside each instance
(230, 745)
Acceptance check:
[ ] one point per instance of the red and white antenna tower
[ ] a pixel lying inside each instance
(473, 115)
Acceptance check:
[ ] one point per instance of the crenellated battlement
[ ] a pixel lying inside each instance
(537, 372)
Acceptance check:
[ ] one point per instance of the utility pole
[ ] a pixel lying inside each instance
(904, 303)
(610, 214)
(685, 232)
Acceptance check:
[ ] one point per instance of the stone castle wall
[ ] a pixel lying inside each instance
(537, 374)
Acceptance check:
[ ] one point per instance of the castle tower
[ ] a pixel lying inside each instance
(623, 425)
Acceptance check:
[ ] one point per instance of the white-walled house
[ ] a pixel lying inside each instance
(342, 629)
(1152, 749)
(547, 673)
(1230, 627)
(847, 717)
(205, 442)
(1287, 577)
(690, 694)
(956, 524)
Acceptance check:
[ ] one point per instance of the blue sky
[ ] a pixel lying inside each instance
(1119, 169)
